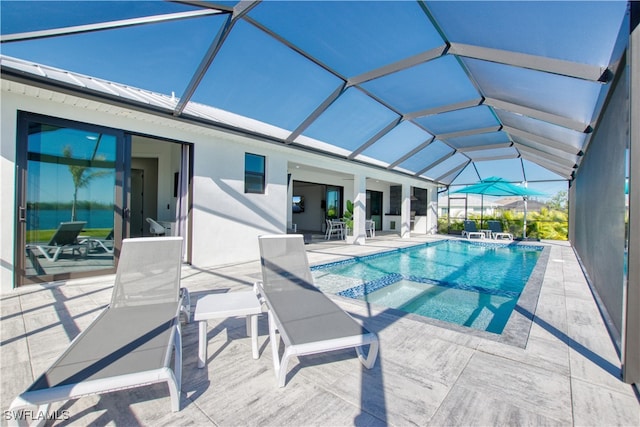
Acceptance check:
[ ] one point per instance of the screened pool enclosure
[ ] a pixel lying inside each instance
(445, 92)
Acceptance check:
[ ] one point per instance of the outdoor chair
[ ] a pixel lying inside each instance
(370, 228)
(334, 227)
(65, 238)
(471, 230)
(497, 231)
(131, 343)
(155, 228)
(308, 321)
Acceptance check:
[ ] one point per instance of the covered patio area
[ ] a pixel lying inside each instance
(568, 372)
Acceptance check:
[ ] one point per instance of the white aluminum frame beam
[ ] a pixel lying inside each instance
(537, 114)
(413, 152)
(532, 62)
(100, 26)
(570, 149)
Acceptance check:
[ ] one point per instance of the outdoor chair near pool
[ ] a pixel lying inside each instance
(308, 321)
(64, 238)
(497, 232)
(334, 227)
(131, 343)
(471, 230)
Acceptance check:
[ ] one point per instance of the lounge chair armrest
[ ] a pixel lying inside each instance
(257, 288)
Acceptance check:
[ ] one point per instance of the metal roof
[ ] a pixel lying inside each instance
(449, 91)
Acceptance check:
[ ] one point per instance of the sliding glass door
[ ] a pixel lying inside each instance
(333, 202)
(70, 199)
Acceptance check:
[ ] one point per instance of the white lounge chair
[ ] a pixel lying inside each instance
(155, 228)
(131, 343)
(64, 238)
(497, 232)
(308, 321)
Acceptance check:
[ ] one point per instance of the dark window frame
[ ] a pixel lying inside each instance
(253, 176)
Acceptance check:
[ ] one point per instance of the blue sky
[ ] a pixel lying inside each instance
(52, 182)
(257, 76)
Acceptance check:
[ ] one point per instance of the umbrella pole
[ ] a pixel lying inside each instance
(481, 209)
(524, 227)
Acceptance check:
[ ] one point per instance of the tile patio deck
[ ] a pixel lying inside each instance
(567, 374)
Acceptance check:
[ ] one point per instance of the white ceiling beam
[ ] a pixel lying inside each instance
(100, 26)
(546, 164)
(207, 59)
(540, 115)
(570, 149)
(484, 147)
(376, 137)
(398, 66)
(559, 154)
(568, 164)
(444, 109)
(436, 163)
(533, 62)
(503, 157)
(316, 113)
(452, 171)
(412, 153)
(468, 132)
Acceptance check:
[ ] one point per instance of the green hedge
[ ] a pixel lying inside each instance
(547, 224)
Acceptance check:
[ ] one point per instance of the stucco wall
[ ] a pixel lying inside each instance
(226, 221)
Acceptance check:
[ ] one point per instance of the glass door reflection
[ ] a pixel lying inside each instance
(68, 202)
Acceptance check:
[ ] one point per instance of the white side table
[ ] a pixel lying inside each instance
(232, 304)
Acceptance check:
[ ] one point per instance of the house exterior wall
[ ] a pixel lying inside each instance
(226, 221)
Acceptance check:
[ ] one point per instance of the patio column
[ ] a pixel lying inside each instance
(405, 218)
(432, 211)
(359, 209)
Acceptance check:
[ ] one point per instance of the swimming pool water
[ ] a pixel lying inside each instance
(474, 284)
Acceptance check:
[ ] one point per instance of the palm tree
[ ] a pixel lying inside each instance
(82, 175)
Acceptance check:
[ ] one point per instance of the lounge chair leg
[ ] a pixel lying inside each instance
(254, 336)
(275, 344)
(174, 391)
(202, 343)
(370, 359)
(177, 370)
(282, 373)
(174, 378)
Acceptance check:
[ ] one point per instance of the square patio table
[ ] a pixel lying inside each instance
(232, 304)
(486, 232)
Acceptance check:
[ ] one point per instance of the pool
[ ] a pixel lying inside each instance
(472, 284)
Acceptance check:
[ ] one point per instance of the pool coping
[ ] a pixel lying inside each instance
(516, 331)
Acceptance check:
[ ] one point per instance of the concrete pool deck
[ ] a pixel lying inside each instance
(567, 373)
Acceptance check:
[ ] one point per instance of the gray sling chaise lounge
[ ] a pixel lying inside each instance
(65, 238)
(471, 230)
(309, 322)
(497, 232)
(130, 344)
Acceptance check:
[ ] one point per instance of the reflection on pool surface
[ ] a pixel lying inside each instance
(473, 284)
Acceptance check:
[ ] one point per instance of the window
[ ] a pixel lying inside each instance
(254, 181)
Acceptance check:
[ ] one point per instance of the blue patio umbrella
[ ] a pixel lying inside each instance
(496, 186)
